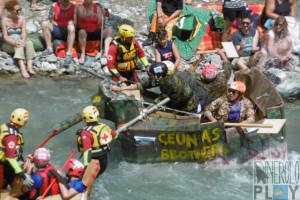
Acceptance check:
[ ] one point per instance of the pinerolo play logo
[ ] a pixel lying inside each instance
(276, 180)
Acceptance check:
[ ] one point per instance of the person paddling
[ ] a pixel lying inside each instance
(43, 174)
(233, 107)
(72, 185)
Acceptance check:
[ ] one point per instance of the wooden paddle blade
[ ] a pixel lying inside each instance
(90, 175)
(278, 124)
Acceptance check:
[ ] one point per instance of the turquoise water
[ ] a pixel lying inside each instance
(50, 102)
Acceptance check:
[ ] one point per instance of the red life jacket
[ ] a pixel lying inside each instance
(47, 179)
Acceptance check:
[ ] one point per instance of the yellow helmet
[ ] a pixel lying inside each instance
(90, 114)
(19, 116)
(171, 67)
(125, 31)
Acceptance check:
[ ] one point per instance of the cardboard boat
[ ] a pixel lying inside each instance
(167, 137)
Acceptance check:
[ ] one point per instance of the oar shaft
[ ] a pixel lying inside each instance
(142, 115)
(249, 125)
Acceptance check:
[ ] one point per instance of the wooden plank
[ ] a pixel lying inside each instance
(230, 50)
(90, 175)
(249, 125)
(278, 124)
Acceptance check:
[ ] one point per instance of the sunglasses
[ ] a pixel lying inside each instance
(245, 23)
(232, 91)
(277, 24)
(18, 10)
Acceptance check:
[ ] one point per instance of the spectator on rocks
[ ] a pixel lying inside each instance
(166, 50)
(14, 36)
(91, 27)
(246, 42)
(278, 44)
(231, 11)
(167, 12)
(61, 26)
(274, 8)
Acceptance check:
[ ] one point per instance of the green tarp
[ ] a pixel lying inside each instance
(186, 48)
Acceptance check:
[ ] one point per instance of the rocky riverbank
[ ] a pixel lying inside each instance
(133, 12)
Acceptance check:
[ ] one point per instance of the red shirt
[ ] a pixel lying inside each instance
(62, 17)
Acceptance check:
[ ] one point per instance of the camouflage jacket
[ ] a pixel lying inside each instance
(218, 87)
(199, 90)
(220, 108)
(181, 95)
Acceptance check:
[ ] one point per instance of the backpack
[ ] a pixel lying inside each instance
(186, 27)
(216, 22)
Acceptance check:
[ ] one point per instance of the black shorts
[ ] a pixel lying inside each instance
(231, 14)
(90, 36)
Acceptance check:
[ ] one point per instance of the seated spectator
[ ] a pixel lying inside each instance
(213, 80)
(166, 50)
(123, 55)
(233, 107)
(277, 45)
(167, 12)
(91, 27)
(231, 11)
(274, 8)
(246, 42)
(43, 175)
(35, 7)
(14, 36)
(60, 26)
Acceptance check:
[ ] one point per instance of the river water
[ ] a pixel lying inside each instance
(52, 101)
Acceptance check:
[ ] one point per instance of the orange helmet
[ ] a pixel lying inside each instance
(238, 86)
(210, 72)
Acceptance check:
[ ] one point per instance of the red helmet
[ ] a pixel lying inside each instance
(239, 86)
(75, 168)
(210, 72)
(41, 157)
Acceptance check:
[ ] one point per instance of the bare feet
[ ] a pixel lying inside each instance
(32, 72)
(81, 59)
(25, 74)
(37, 7)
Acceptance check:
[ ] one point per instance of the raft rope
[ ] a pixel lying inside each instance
(161, 106)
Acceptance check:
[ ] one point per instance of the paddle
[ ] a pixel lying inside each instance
(249, 125)
(97, 75)
(268, 126)
(144, 113)
(90, 174)
(58, 128)
(61, 169)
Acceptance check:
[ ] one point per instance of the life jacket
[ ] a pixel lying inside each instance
(8, 129)
(102, 137)
(126, 59)
(47, 178)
